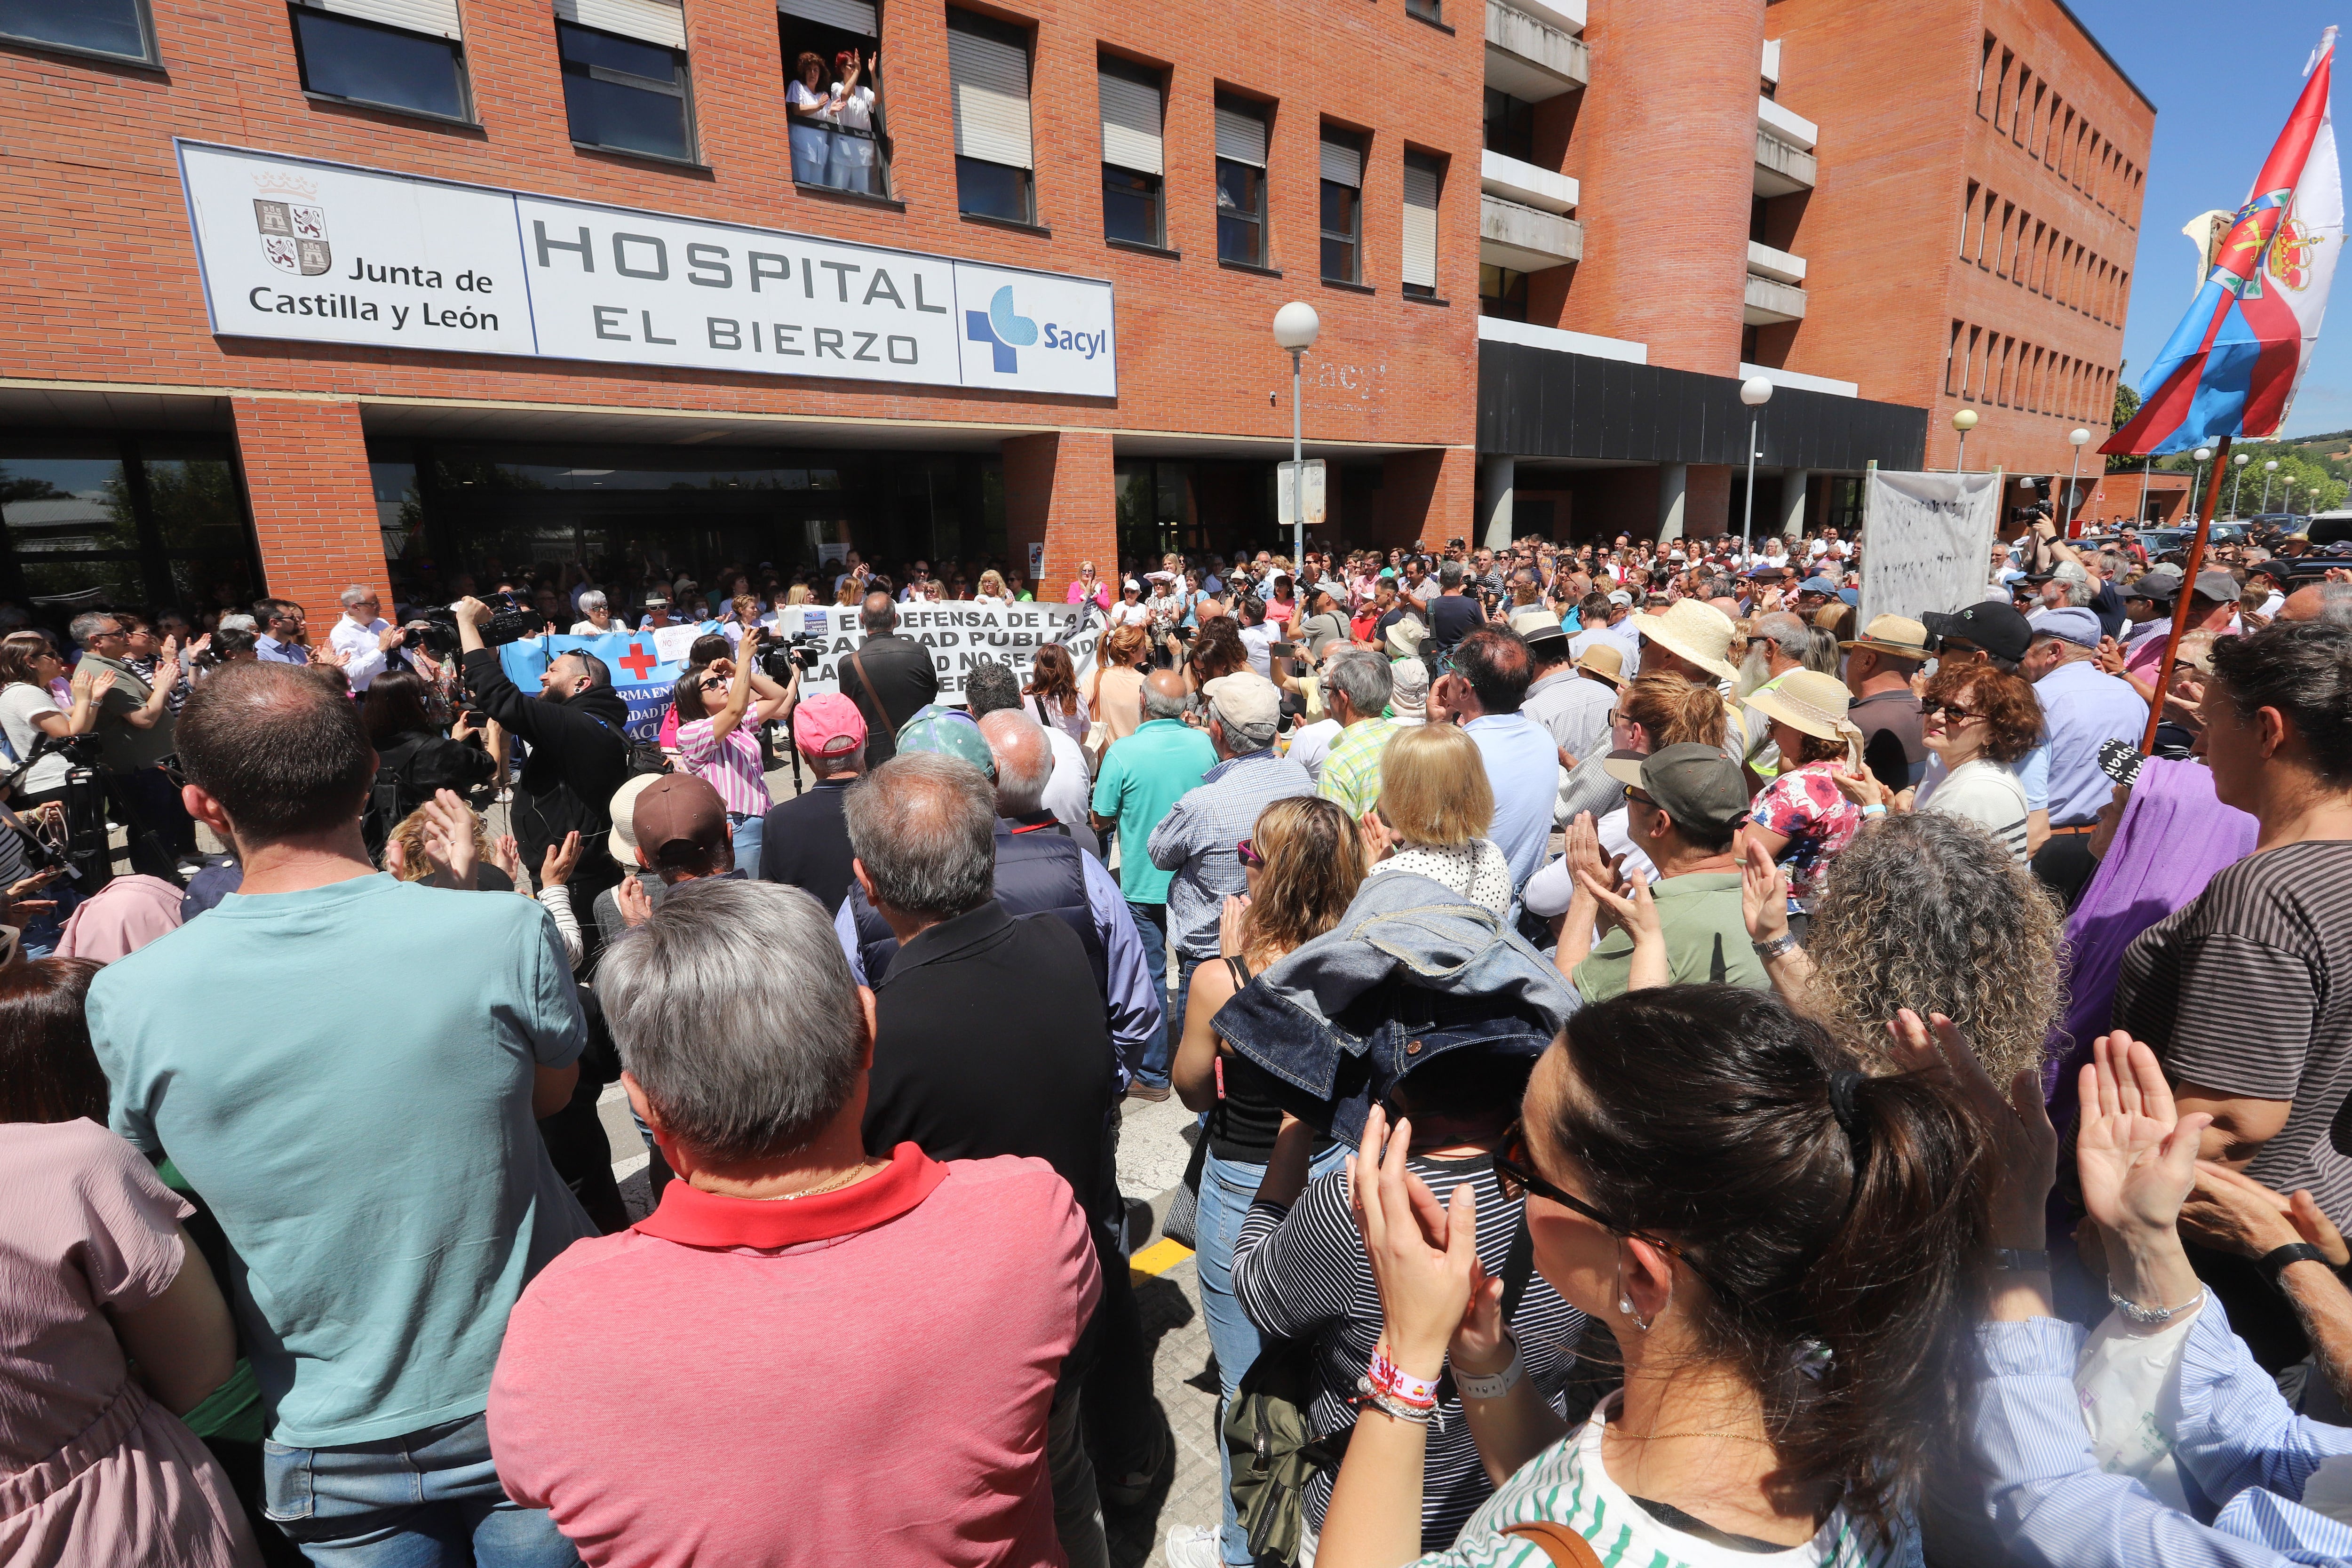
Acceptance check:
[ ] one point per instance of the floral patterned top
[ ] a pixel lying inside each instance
(1806, 806)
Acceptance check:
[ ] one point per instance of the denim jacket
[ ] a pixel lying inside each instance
(1412, 972)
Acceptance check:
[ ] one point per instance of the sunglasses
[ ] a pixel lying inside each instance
(1953, 710)
(1246, 853)
(1515, 1175)
(1639, 798)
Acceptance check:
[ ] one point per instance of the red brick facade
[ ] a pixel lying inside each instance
(107, 295)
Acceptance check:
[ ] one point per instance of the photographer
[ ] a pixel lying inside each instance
(135, 736)
(577, 731)
(720, 707)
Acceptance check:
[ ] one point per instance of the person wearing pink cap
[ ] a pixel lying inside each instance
(806, 844)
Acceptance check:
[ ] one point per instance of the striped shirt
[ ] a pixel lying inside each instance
(2248, 990)
(1302, 1274)
(1350, 774)
(730, 765)
(1569, 1484)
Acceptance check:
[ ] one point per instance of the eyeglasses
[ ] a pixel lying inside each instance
(1515, 1176)
(1246, 853)
(1952, 709)
(1639, 798)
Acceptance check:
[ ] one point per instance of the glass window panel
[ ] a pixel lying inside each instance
(1338, 259)
(108, 26)
(196, 504)
(636, 119)
(198, 580)
(1339, 209)
(1510, 126)
(76, 586)
(1241, 197)
(66, 503)
(651, 61)
(993, 190)
(1131, 205)
(345, 58)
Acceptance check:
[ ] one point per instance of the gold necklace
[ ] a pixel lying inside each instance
(858, 1172)
(1724, 1432)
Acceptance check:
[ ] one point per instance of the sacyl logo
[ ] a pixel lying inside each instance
(1003, 330)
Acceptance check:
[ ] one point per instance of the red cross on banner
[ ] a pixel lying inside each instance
(638, 661)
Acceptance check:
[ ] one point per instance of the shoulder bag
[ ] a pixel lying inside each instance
(857, 662)
(1563, 1546)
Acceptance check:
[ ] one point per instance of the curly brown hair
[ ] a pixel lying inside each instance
(2011, 712)
(1314, 861)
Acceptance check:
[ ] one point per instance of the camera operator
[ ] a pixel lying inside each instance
(577, 731)
(135, 738)
(890, 678)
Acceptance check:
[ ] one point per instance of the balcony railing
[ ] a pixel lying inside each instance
(1770, 303)
(1529, 58)
(1525, 239)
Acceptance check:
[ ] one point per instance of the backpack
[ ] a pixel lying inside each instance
(390, 800)
(1268, 1433)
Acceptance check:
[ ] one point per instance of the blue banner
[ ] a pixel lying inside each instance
(640, 675)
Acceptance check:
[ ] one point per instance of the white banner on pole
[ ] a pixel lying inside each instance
(959, 633)
(1927, 540)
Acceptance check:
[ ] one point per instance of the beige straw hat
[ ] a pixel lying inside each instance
(1894, 635)
(1698, 631)
(1814, 703)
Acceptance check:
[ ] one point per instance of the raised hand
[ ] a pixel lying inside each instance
(556, 869)
(1763, 890)
(449, 840)
(1423, 1253)
(2137, 1154)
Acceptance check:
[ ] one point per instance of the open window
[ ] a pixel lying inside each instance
(833, 94)
(988, 72)
(626, 85)
(1133, 162)
(390, 54)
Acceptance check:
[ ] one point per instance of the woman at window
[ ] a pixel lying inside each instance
(855, 157)
(811, 112)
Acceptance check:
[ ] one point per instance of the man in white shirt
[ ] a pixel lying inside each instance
(363, 638)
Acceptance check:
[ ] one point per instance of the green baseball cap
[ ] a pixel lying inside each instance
(949, 731)
(1698, 787)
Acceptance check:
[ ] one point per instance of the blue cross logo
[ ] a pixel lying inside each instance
(1001, 327)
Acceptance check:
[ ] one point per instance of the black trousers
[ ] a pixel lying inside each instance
(161, 829)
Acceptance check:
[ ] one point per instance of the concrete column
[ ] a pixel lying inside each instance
(1496, 480)
(306, 470)
(1793, 501)
(1058, 489)
(1674, 496)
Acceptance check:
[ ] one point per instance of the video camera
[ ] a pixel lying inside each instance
(777, 660)
(509, 622)
(434, 630)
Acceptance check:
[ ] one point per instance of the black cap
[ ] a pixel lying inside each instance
(1990, 625)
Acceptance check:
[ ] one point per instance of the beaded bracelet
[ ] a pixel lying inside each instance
(1390, 1405)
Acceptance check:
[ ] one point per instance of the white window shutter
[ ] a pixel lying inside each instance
(992, 99)
(1130, 124)
(647, 21)
(436, 18)
(1343, 164)
(1420, 225)
(1241, 137)
(849, 16)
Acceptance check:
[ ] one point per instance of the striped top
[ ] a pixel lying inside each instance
(2248, 990)
(730, 765)
(1302, 1274)
(1567, 1484)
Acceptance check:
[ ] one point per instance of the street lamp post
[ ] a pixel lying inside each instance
(1295, 326)
(2203, 455)
(2240, 460)
(2268, 470)
(1755, 392)
(2286, 500)
(2078, 439)
(1963, 422)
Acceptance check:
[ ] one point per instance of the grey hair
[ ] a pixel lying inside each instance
(877, 613)
(2335, 603)
(1159, 704)
(924, 827)
(989, 686)
(2076, 582)
(1787, 632)
(1025, 760)
(1449, 576)
(735, 1012)
(235, 622)
(1362, 677)
(592, 601)
(87, 624)
(1931, 913)
(353, 594)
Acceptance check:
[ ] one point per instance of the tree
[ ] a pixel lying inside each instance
(2126, 405)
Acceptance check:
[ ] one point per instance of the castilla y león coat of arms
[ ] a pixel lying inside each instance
(293, 226)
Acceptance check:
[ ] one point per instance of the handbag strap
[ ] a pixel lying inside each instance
(1559, 1544)
(857, 662)
(1519, 1265)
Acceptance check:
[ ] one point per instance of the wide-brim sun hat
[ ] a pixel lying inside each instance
(622, 840)
(1693, 629)
(1814, 704)
(1405, 635)
(1895, 634)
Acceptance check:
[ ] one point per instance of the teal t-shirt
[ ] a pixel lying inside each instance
(346, 1075)
(1142, 776)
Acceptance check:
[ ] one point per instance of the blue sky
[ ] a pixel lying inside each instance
(2223, 81)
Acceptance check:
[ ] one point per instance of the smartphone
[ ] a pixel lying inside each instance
(1281, 650)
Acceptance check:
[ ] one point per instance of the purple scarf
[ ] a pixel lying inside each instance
(2174, 837)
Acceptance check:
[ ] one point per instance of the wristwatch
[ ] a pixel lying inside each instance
(2275, 1262)
(1785, 942)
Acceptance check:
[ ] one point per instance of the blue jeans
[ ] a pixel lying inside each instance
(419, 1500)
(1159, 1051)
(747, 830)
(1185, 964)
(1226, 1191)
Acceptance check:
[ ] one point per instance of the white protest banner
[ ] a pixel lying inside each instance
(296, 247)
(959, 633)
(1927, 540)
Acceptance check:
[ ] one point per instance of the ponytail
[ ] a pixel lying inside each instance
(1836, 1223)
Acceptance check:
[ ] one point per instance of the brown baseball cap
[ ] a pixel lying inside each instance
(678, 820)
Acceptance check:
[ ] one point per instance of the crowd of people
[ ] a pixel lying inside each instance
(1680, 1074)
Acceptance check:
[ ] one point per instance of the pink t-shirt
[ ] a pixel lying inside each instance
(863, 1376)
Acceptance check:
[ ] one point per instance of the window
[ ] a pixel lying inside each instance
(630, 93)
(1343, 207)
(1241, 183)
(988, 71)
(1510, 126)
(1502, 293)
(1131, 153)
(1425, 174)
(1427, 10)
(419, 66)
(96, 26)
(846, 150)
(120, 520)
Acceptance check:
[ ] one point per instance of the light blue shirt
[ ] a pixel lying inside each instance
(1198, 841)
(2243, 1455)
(2083, 706)
(269, 650)
(1133, 1009)
(1523, 770)
(345, 1074)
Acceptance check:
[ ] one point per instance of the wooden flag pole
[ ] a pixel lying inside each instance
(2188, 590)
